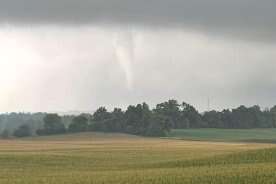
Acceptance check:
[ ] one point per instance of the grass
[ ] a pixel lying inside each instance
(121, 159)
(245, 135)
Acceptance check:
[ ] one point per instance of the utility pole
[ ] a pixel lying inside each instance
(208, 104)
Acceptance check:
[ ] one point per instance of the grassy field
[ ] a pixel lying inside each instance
(245, 135)
(121, 159)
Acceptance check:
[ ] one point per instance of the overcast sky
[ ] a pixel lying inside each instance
(63, 55)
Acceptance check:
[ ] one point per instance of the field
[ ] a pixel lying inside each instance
(94, 158)
(240, 135)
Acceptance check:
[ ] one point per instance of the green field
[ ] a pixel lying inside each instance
(92, 158)
(245, 135)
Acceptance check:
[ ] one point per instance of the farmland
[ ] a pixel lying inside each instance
(236, 135)
(119, 158)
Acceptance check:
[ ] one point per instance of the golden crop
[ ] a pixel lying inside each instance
(94, 158)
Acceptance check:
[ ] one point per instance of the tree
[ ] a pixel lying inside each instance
(171, 109)
(115, 123)
(244, 117)
(100, 119)
(23, 131)
(213, 119)
(118, 118)
(79, 124)
(97, 126)
(273, 114)
(227, 118)
(5, 134)
(138, 119)
(159, 126)
(52, 125)
(191, 115)
(132, 119)
(101, 114)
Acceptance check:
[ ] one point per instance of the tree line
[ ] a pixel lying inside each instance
(138, 120)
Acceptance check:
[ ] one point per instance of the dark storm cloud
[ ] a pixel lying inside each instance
(238, 18)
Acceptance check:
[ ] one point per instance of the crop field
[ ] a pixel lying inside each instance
(94, 158)
(245, 135)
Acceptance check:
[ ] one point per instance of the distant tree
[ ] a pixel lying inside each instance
(273, 115)
(115, 122)
(101, 114)
(99, 120)
(241, 117)
(213, 119)
(67, 120)
(170, 109)
(227, 118)
(118, 120)
(5, 134)
(23, 131)
(52, 125)
(147, 118)
(159, 126)
(79, 124)
(132, 119)
(138, 119)
(96, 126)
(266, 120)
(192, 116)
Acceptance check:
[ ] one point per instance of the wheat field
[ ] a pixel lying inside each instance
(95, 158)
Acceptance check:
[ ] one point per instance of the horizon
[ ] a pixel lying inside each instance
(79, 112)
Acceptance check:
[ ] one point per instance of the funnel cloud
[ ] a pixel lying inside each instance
(124, 51)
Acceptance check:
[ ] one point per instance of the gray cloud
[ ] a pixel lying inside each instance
(120, 52)
(76, 69)
(245, 19)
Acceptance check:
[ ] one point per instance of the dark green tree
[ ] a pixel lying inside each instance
(170, 109)
(79, 124)
(100, 119)
(159, 126)
(23, 131)
(190, 114)
(101, 114)
(213, 119)
(116, 123)
(138, 119)
(52, 125)
(5, 134)
(273, 115)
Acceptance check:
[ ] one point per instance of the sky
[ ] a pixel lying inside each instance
(68, 55)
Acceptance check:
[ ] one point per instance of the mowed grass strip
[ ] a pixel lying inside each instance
(121, 159)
